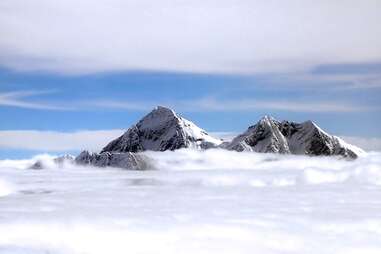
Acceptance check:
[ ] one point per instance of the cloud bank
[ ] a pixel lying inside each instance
(198, 36)
(56, 141)
(195, 202)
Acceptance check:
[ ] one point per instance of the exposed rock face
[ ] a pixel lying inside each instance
(58, 161)
(264, 137)
(64, 158)
(162, 130)
(270, 135)
(120, 160)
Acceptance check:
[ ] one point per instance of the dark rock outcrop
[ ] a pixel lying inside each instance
(120, 160)
(58, 161)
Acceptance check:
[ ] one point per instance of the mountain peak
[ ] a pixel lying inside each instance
(158, 117)
(270, 135)
(162, 129)
(163, 110)
(310, 123)
(264, 137)
(267, 118)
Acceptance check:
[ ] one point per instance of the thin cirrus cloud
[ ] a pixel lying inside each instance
(211, 104)
(332, 81)
(206, 36)
(214, 105)
(19, 99)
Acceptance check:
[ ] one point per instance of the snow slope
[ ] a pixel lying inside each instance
(264, 137)
(160, 130)
(270, 135)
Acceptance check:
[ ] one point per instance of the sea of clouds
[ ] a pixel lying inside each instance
(210, 201)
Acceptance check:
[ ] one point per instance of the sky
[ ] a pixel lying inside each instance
(76, 74)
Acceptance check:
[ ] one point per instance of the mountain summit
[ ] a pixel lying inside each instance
(162, 129)
(272, 136)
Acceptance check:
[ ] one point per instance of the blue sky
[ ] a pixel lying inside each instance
(117, 100)
(66, 71)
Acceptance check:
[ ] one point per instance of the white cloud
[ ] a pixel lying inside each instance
(115, 104)
(369, 144)
(245, 36)
(57, 141)
(332, 80)
(211, 104)
(17, 99)
(207, 104)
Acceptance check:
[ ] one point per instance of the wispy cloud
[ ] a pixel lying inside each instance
(19, 99)
(211, 104)
(56, 141)
(332, 81)
(207, 104)
(248, 36)
(122, 105)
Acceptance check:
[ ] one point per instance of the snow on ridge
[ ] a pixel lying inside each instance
(356, 149)
(195, 131)
(270, 135)
(162, 129)
(191, 129)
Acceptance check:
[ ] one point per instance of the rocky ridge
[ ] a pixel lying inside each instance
(272, 136)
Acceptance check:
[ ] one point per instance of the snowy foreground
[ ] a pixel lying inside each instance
(195, 202)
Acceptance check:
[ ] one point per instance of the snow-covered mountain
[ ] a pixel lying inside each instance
(272, 136)
(162, 129)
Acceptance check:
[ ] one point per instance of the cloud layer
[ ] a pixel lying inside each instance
(198, 36)
(20, 99)
(210, 202)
